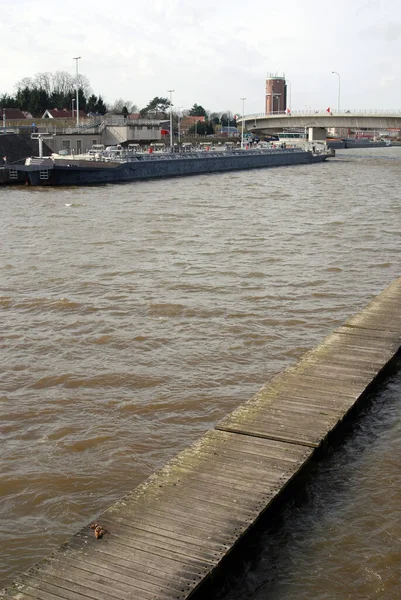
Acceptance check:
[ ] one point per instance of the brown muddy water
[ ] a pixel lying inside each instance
(133, 317)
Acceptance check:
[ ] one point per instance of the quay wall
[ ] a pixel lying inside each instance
(18, 146)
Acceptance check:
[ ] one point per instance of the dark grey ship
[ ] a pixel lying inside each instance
(114, 168)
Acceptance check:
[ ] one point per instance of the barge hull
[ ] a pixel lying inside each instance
(85, 172)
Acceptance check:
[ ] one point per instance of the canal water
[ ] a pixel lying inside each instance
(134, 317)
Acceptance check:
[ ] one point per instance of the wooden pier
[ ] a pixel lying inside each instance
(173, 530)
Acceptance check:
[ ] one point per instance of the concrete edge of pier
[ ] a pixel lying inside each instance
(167, 536)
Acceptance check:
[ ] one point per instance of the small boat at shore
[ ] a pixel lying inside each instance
(117, 166)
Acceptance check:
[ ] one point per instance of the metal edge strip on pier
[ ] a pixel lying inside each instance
(169, 534)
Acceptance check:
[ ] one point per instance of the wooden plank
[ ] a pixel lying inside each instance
(28, 592)
(115, 571)
(14, 594)
(118, 556)
(178, 514)
(149, 558)
(179, 527)
(99, 571)
(291, 381)
(158, 543)
(351, 340)
(371, 336)
(73, 582)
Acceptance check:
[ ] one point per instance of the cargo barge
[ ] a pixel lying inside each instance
(341, 143)
(98, 169)
(365, 143)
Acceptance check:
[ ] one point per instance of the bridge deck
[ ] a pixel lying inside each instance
(169, 534)
(353, 119)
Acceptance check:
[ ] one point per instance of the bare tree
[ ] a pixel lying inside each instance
(25, 82)
(59, 82)
(63, 82)
(43, 81)
(84, 85)
(118, 105)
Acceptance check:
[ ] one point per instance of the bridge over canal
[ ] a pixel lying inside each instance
(320, 120)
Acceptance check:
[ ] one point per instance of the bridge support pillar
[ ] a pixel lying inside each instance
(317, 134)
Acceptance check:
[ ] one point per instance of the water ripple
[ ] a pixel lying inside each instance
(138, 315)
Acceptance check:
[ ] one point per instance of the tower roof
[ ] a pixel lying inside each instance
(275, 76)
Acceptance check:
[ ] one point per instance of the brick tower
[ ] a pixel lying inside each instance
(276, 93)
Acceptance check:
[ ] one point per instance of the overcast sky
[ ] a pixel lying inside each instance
(211, 52)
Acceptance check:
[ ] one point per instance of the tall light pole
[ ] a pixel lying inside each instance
(339, 89)
(243, 115)
(171, 117)
(76, 58)
(72, 104)
(289, 104)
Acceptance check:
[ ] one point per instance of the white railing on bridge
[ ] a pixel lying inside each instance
(325, 112)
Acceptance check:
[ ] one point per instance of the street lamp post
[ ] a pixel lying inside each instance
(171, 117)
(72, 104)
(243, 115)
(76, 58)
(289, 98)
(339, 89)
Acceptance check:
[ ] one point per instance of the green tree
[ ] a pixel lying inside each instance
(156, 108)
(61, 99)
(35, 101)
(100, 106)
(82, 99)
(95, 104)
(225, 120)
(91, 103)
(201, 128)
(23, 98)
(197, 111)
(215, 118)
(210, 128)
(7, 101)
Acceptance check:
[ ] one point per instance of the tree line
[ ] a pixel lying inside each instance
(58, 90)
(53, 90)
(158, 108)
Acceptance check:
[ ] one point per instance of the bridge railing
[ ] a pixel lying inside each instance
(325, 112)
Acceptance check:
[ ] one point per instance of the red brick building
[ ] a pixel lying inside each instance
(276, 93)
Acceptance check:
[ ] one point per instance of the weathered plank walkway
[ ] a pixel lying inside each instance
(173, 530)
